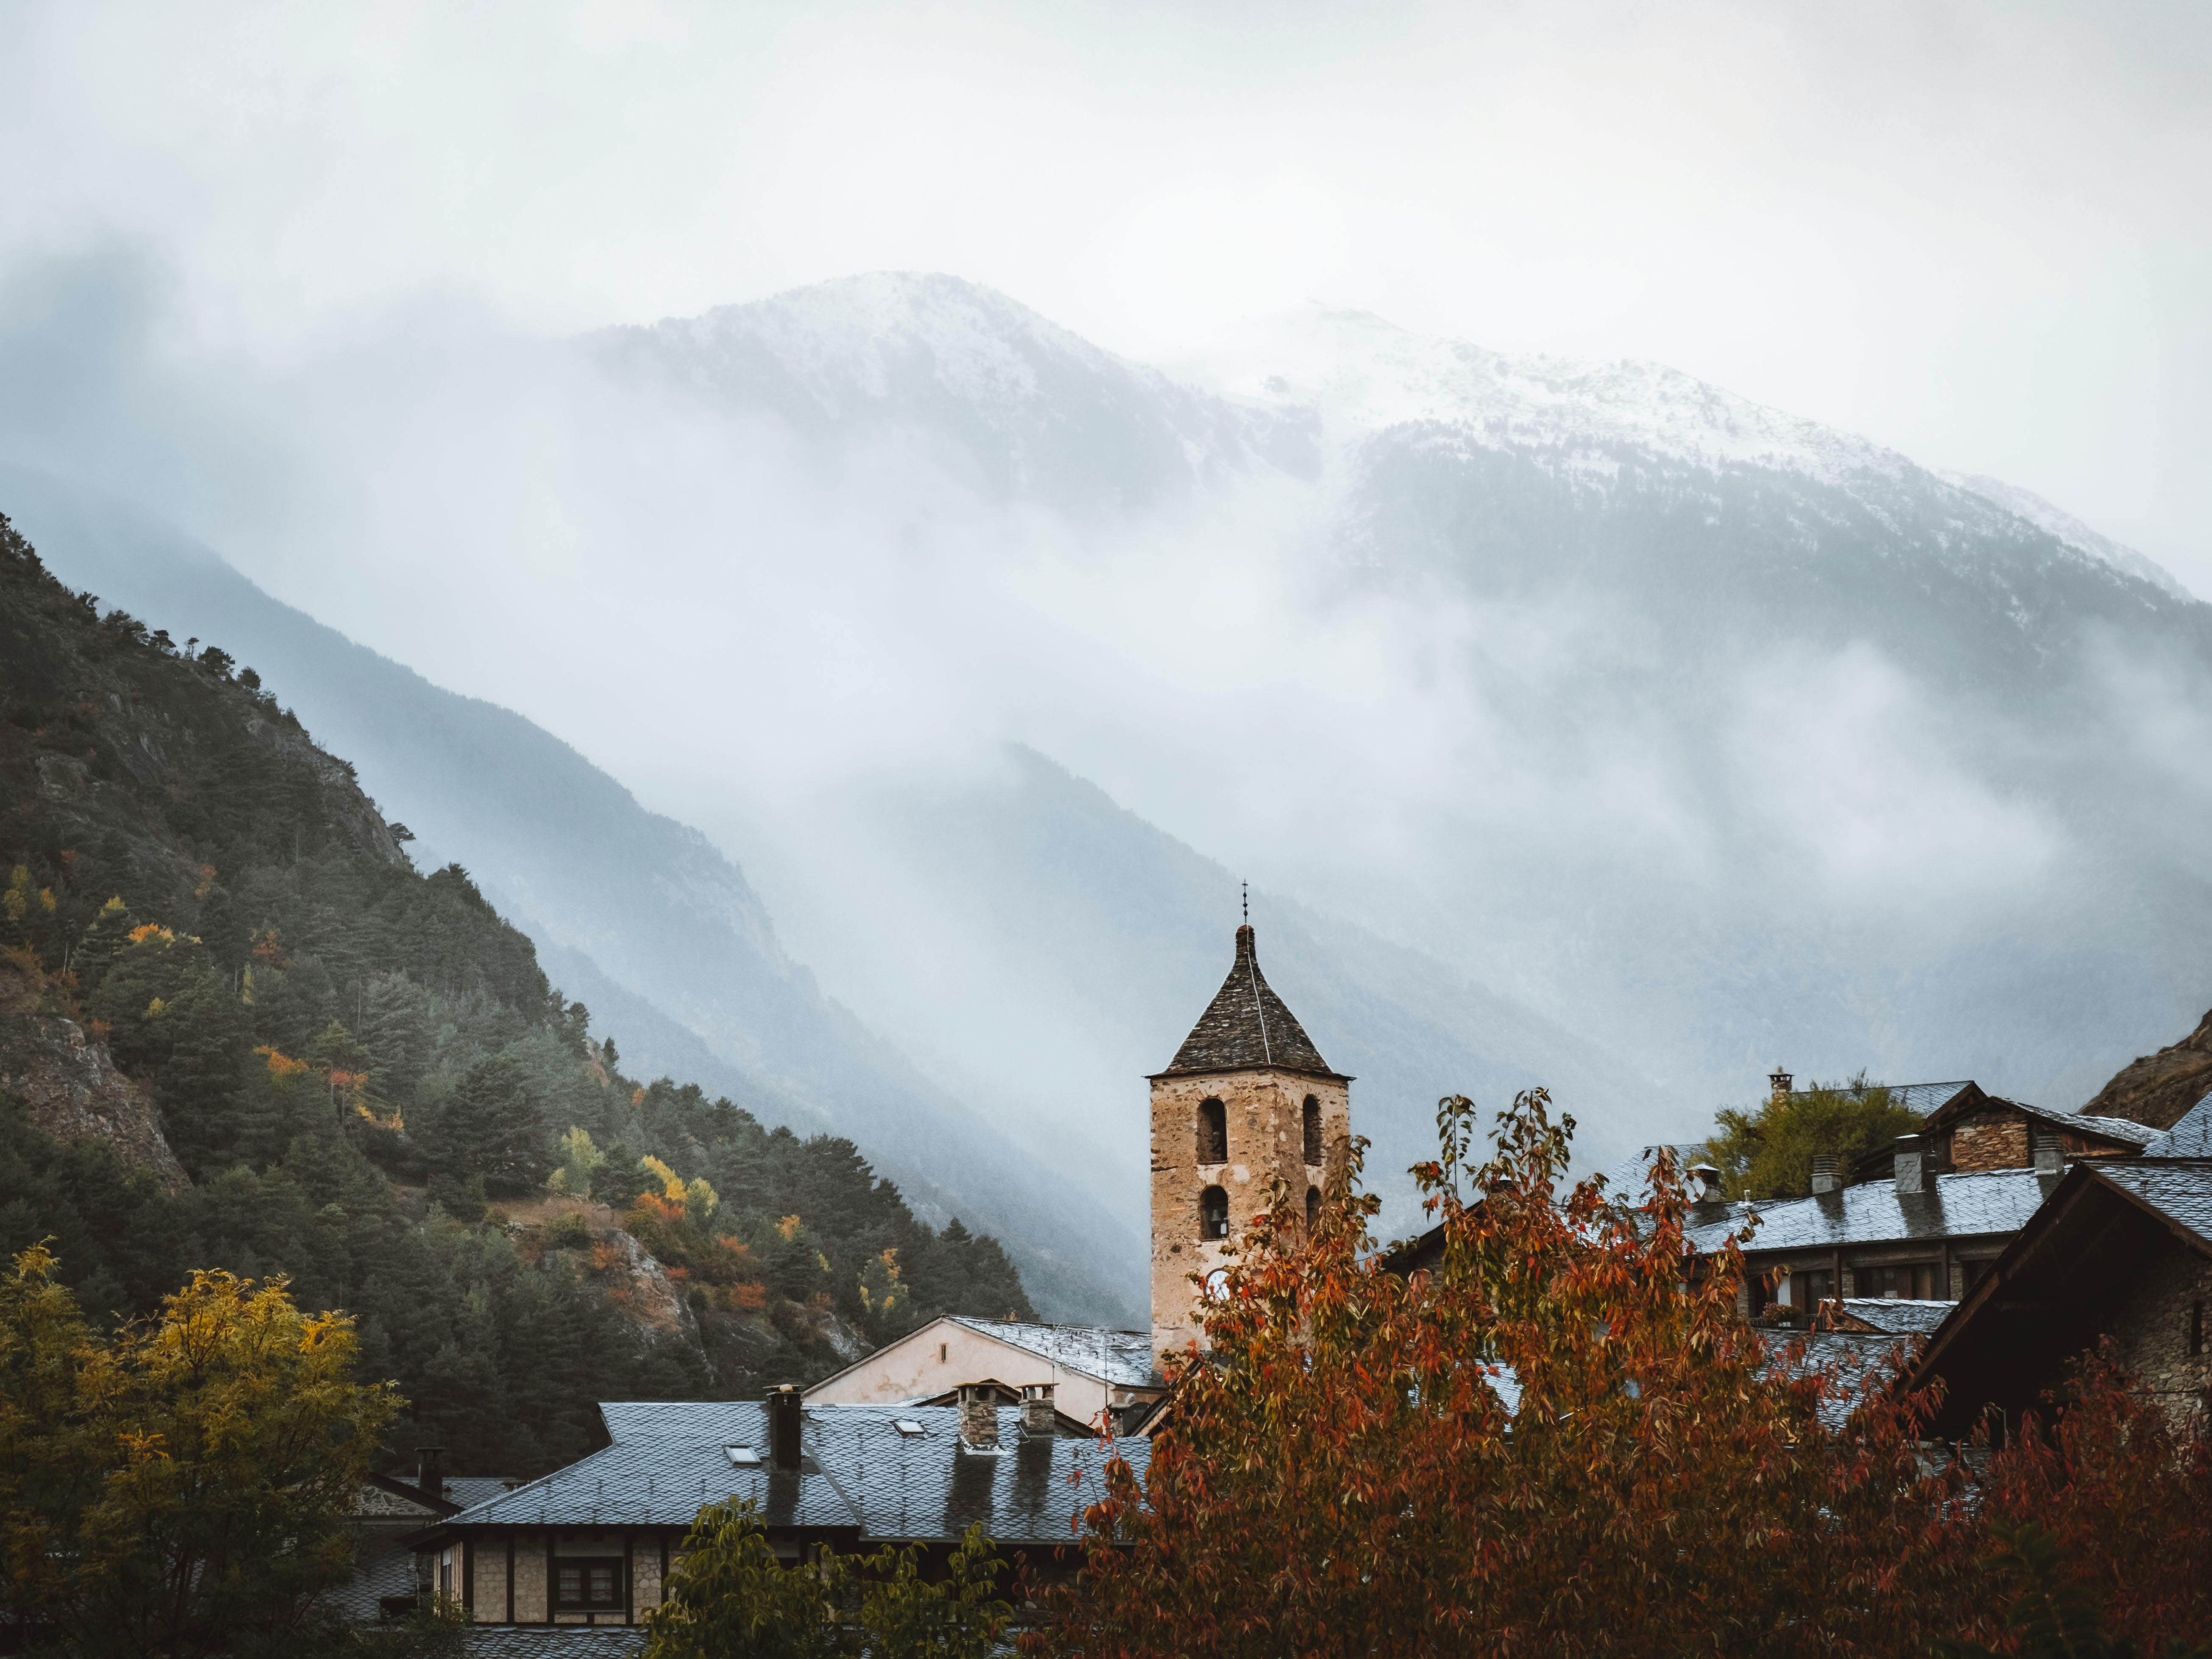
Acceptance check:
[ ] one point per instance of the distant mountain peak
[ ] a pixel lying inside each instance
(1363, 373)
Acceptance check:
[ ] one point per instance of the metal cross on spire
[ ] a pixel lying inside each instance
(1246, 886)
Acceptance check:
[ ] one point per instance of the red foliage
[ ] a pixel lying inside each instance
(1560, 1441)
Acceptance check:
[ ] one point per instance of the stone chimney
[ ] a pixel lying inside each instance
(785, 1407)
(1824, 1174)
(979, 1416)
(1036, 1411)
(430, 1473)
(1778, 1084)
(1910, 1178)
(2050, 1156)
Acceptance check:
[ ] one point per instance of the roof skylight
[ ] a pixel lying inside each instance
(908, 1426)
(744, 1457)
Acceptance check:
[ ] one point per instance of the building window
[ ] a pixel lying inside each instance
(1213, 1213)
(587, 1585)
(1313, 1130)
(1212, 1132)
(1914, 1283)
(1313, 1207)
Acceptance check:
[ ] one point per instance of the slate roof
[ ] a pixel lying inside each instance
(857, 1472)
(1121, 1359)
(1860, 1363)
(1874, 1212)
(1246, 1025)
(2180, 1189)
(1898, 1318)
(520, 1642)
(2190, 1137)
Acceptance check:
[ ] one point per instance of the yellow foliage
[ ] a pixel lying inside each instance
(156, 1008)
(671, 1184)
(788, 1227)
(282, 1067)
(17, 901)
(46, 901)
(207, 881)
(637, 1099)
(154, 931)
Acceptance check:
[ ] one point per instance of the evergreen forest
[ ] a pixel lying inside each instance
(370, 1086)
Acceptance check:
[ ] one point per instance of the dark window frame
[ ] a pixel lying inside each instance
(1311, 1125)
(1213, 1219)
(584, 1564)
(1212, 1131)
(1313, 1207)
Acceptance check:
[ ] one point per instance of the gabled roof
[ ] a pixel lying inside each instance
(1970, 1099)
(2051, 1293)
(1246, 1026)
(2190, 1137)
(859, 1473)
(1881, 1317)
(1874, 1212)
(1121, 1359)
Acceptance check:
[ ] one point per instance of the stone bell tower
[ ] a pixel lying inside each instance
(1246, 1099)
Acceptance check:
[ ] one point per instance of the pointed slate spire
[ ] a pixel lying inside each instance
(1247, 1026)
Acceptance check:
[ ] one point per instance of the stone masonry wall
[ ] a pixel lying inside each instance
(2151, 1332)
(1266, 1113)
(529, 1578)
(1993, 1143)
(490, 1592)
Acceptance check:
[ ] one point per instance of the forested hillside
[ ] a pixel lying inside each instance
(369, 1083)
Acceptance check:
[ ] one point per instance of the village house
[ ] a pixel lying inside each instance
(1099, 1377)
(389, 1512)
(590, 1547)
(2122, 1251)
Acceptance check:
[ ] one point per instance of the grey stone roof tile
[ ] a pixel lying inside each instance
(1874, 1211)
(2180, 1189)
(2190, 1137)
(522, 1642)
(1247, 1026)
(1122, 1358)
(858, 1471)
(1898, 1318)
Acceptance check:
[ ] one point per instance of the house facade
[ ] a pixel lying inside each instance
(2122, 1252)
(592, 1546)
(1099, 1377)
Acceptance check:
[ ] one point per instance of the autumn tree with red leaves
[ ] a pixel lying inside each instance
(1561, 1439)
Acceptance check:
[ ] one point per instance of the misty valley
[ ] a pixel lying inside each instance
(638, 1000)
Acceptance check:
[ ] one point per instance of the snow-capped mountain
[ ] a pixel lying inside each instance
(1722, 731)
(1026, 407)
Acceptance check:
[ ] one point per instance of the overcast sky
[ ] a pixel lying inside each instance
(1976, 232)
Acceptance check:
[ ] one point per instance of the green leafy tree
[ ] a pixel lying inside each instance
(1769, 1152)
(731, 1595)
(185, 1487)
(580, 1160)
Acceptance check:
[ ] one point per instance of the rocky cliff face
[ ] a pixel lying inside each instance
(2157, 1089)
(70, 1083)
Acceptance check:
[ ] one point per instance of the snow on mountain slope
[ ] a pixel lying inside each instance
(1364, 374)
(1036, 410)
(2057, 521)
